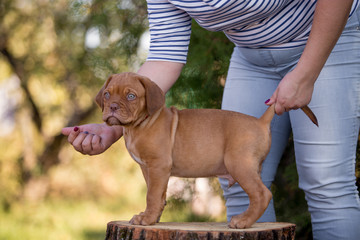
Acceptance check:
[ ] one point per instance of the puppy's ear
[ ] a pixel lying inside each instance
(99, 97)
(155, 97)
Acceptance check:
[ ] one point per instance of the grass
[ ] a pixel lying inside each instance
(61, 219)
(66, 219)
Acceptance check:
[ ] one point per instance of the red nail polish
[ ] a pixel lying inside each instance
(76, 129)
(267, 101)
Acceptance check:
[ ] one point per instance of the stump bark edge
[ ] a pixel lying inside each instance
(123, 230)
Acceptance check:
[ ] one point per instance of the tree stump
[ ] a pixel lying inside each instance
(122, 230)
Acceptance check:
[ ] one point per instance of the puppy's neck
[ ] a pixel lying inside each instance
(147, 120)
(146, 117)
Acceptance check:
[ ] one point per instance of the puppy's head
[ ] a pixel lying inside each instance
(128, 97)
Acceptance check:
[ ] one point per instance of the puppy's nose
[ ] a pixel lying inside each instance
(114, 107)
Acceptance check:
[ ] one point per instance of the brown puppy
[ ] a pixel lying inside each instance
(188, 143)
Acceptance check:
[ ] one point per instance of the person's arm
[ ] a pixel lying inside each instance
(295, 89)
(164, 74)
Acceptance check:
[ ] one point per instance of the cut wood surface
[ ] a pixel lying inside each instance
(118, 230)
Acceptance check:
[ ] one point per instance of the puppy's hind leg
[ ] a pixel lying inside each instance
(245, 171)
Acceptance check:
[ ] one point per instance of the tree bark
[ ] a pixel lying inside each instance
(198, 230)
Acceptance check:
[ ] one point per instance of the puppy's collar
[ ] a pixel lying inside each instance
(153, 117)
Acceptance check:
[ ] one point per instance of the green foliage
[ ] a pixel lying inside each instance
(202, 80)
(61, 219)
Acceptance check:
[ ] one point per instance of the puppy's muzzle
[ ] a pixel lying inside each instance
(114, 107)
(111, 118)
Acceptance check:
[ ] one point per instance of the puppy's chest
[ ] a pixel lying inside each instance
(131, 146)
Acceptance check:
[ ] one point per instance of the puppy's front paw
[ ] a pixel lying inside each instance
(143, 219)
(240, 222)
(136, 219)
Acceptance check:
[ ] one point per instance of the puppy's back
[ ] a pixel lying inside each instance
(204, 135)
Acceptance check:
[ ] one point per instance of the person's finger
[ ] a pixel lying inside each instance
(77, 143)
(66, 130)
(279, 109)
(74, 132)
(272, 99)
(86, 143)
(97, 147)
(95, 140)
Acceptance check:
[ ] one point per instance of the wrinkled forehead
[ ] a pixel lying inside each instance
(124, 83)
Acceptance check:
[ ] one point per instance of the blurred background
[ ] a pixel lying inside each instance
(54, 57)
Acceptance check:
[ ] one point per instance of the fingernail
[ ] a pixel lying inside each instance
(86, 132)
(267, 101)
(76, 129)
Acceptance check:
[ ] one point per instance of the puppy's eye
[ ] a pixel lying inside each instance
(131, 96)
(107, 95)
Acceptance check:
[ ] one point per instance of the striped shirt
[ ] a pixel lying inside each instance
(275, 24)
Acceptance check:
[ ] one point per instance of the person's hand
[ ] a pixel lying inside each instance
(294, 91)
(92, 139)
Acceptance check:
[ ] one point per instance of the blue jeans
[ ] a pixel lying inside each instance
(325, 156)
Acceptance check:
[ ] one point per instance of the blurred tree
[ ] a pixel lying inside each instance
(59, 53)
(203, 77)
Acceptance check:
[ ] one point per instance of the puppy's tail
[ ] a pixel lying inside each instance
(270, 112)
(310, 114)
(268, 115)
